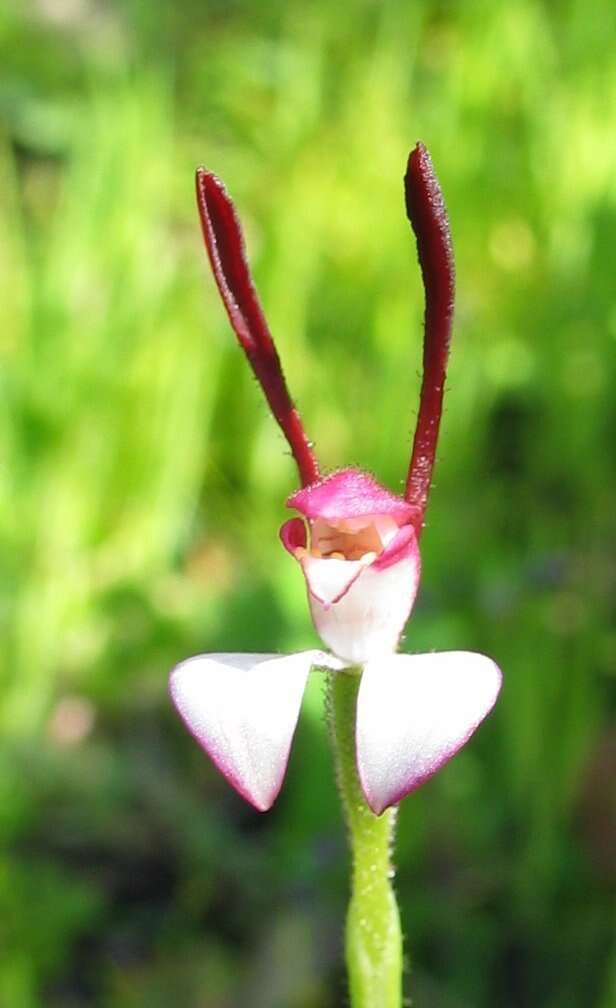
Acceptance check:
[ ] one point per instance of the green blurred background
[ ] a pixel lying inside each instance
(142, 483)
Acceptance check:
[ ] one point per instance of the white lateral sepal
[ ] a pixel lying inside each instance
(243, 709)
(414, 712)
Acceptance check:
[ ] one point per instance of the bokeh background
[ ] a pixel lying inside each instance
(142, 483)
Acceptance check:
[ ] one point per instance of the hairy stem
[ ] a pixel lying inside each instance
(373, 936)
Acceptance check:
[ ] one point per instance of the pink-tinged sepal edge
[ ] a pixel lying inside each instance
(414, 713)
(242, 709)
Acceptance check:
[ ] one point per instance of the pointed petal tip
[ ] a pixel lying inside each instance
(207, 183)
(418, 152)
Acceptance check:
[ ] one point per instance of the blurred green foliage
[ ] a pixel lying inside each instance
(142, 483)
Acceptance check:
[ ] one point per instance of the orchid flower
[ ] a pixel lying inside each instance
(357, 545)
(395, 719)
(358, 548)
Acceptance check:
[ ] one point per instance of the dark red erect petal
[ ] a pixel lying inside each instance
(426, 211)
(224, 242)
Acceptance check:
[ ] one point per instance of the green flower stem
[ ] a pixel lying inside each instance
(373, 936)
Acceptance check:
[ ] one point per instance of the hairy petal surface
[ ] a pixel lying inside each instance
(414, 712)
(349, 493)
(243, 709)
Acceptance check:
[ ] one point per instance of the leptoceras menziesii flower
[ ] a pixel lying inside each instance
(358, 548)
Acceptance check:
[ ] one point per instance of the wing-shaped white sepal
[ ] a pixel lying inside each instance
(243, 710)
(414, 712)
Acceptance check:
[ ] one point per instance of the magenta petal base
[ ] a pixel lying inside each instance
(243, 709)
(414, 712)
(349, 493)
